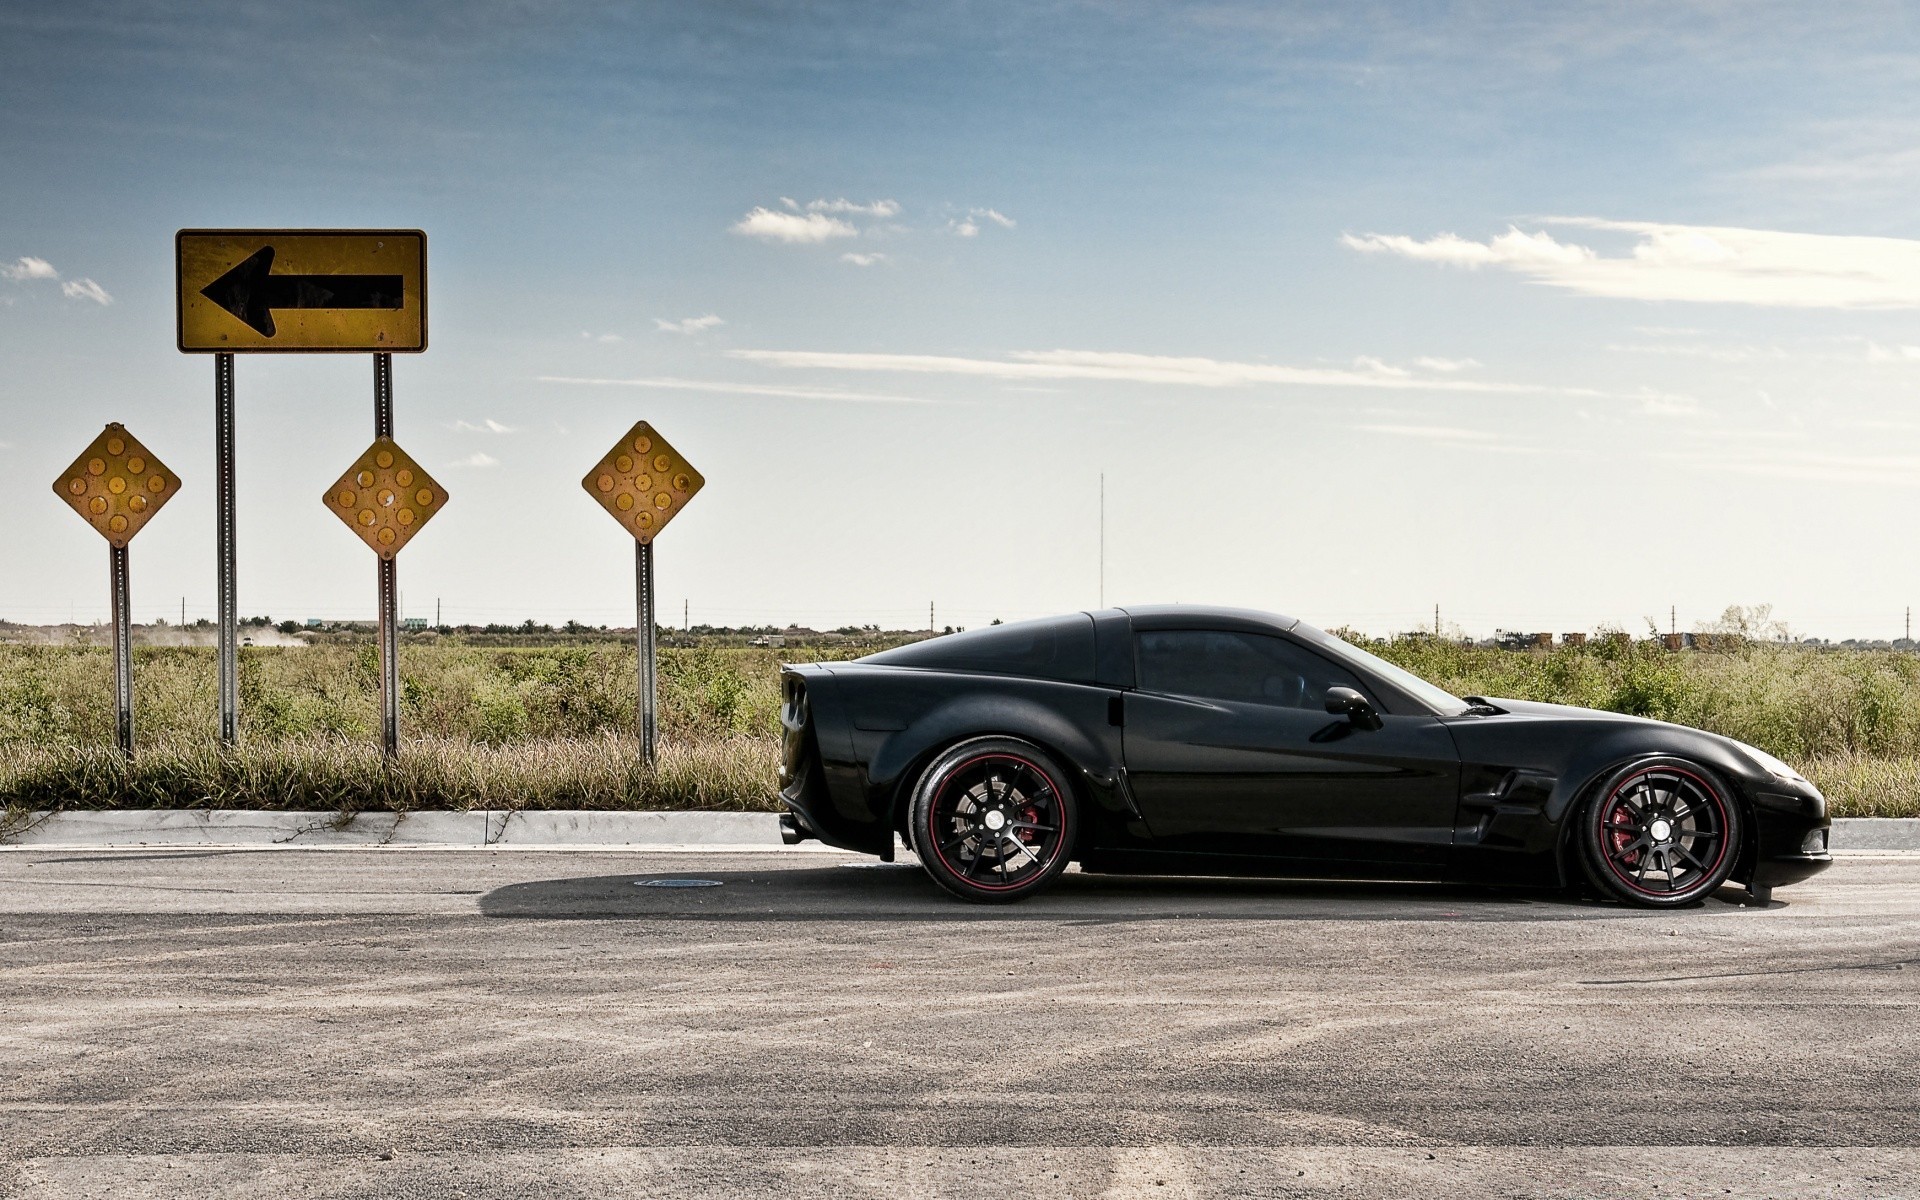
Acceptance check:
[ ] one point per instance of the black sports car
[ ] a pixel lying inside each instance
(1203, 741)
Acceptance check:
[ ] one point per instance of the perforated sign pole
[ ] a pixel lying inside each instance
(389, 596)
(645, 635)
(223, 551)
(122, 651)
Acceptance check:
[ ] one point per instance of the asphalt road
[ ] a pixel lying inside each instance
(510, 1023)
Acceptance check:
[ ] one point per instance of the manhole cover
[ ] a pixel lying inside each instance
(676, 883)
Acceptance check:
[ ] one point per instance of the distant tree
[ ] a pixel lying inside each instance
(1755, 624)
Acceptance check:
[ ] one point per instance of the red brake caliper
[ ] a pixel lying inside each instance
(1031, 816)
(1622, 815)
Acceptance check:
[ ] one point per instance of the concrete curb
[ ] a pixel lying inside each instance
(1876, 833)
(519, 830)
(451, 830)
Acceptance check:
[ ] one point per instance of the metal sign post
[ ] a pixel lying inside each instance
(226, 588)
(268, 291)
(644, 483)
(385, 498)
(122, 649)
(117, 485)
(389, 607)
(646, 632)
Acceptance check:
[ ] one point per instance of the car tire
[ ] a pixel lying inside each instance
(993, 820)
(1659, 833)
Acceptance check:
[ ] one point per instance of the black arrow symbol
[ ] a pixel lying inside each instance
(251, 292)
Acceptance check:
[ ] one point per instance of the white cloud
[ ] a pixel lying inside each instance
(489, 425)
(1692, 263)
(969, 225)
(1666, 404)
(1130, 368)
(863, 260)
(741, 389)
(1884, 354)
(879, 208)
(794, 229)
(29, 267)
(478, 460)
(689, 324)
(1449, 435)
(1892, 470)
(1367, 362)
(1447, 365)
(1511, 249)
(85, 289)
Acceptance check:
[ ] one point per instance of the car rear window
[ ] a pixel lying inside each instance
(1050, 648)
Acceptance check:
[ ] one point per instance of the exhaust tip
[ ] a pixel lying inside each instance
(790, 831)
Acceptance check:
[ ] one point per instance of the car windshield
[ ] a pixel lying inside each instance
(1439, 699)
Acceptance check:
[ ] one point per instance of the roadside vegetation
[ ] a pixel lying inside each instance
(551, 726)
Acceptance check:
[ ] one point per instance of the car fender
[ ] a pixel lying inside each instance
(896, 763)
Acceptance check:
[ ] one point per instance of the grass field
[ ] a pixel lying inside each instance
(550, 726)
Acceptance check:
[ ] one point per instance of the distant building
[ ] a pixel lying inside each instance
(413, 622)
(314, 622)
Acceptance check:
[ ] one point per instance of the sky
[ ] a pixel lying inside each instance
(1554, 317)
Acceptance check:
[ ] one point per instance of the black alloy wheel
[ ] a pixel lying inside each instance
(993, 820)
(1660, 833)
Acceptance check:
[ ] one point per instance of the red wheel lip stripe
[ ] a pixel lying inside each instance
(1709, 789)
(933, 835)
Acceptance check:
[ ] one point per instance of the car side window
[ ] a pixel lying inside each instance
(1248, 668)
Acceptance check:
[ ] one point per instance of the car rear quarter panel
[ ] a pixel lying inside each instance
(899, 718)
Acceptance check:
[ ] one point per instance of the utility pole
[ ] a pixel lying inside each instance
(1673, 623)
(686, 616)
(183, 610)
(929, 616)
(436, 612)
(1909, 622)
(1436, 620)
(1103, 539)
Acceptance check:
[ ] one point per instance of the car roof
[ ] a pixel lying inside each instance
(1187, 616)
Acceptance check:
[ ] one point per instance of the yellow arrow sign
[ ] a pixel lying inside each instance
(249, 291)
(385, 497)
(643, 482)
(117, 484)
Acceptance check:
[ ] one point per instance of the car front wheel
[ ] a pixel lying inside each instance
(993, 820)
(1660, 833)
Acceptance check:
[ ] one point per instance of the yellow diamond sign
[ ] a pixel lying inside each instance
(643, 482)
(116, 484)
(385, 497)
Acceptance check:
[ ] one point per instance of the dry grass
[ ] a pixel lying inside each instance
(732, 772)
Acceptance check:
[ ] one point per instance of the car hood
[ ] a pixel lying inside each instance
(1570, 712)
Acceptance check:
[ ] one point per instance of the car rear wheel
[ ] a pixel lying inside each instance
(993, 820)
(1660, 833)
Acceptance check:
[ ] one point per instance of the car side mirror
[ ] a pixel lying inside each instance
(1355, 707)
